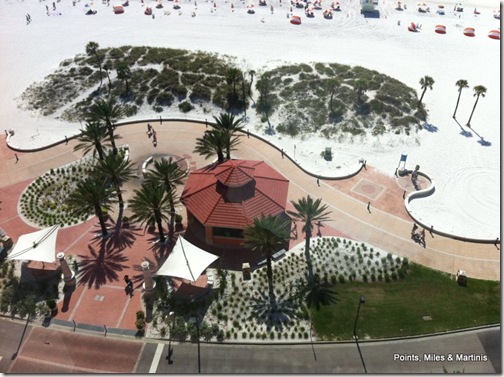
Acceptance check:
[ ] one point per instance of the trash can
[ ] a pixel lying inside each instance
(246, 271)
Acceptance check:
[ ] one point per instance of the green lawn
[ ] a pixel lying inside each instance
(398, 308)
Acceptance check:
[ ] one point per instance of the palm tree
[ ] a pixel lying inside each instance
(92, 50)
(150, 206)
(426, 82)
(244, 96)
(333, 84)
(91, 196)
(267, 235)
(361, 86)
(462, 84)
(168, 173)
(251, 73)
(106, 67)
(114, 169)
(124, 73)
(213, 142)
(108, 111)
(230, 126)
(233, 75)
(266, 98)
(309, 211)
(315, 295)
(93, 138)
(479, 90)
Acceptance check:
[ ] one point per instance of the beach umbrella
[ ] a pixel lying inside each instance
(37, 246)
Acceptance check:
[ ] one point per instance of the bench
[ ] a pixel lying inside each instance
(275, 257)
(146, 163)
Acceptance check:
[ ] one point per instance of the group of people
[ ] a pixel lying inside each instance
(418, 236)
(151, 132)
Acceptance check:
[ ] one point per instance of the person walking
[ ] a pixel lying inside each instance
(129, 285)
(17, 158)
(415, 227)
(422, 237)
(369, 207)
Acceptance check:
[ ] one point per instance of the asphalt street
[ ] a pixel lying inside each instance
(477, 351)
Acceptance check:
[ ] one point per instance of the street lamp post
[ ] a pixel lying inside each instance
(196, 319)
(361, 301)
(170, 350)
(198, 335)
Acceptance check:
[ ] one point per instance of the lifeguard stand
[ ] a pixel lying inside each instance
(402, 170)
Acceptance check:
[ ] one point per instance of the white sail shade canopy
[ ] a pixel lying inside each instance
(37, 246)
(186, 261)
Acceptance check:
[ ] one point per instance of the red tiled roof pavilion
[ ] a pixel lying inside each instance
(231, 194)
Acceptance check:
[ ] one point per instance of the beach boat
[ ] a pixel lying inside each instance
(469, 32)
(295, 20)
(494, 34)
(440, 29)
(118, 9)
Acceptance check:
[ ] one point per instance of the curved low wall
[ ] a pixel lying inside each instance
(428, 192)
(414, 195)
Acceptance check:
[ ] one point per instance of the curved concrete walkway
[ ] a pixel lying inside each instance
(385, 226)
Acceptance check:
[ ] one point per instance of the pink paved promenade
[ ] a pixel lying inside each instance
(99, 298)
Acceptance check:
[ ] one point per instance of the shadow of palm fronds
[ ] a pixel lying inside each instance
(100, 267)
(122, 237)
(274, 314)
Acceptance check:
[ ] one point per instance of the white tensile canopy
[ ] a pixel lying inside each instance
(186, 261)
(37, 246)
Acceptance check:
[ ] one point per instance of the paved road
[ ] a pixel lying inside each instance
(59, 350)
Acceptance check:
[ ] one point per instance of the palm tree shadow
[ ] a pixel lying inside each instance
(123, 236)
(482, 141)
(276, 313)
(463, 132)
(430, 127)
(100, 265)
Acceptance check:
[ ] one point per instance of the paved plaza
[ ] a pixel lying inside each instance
(99, 298)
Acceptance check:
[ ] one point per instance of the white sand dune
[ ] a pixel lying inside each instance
(465, 163)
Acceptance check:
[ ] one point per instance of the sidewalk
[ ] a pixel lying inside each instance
(100, 299)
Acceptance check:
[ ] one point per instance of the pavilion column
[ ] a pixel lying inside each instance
(68, 273)
(209, 235)
(149, 284)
